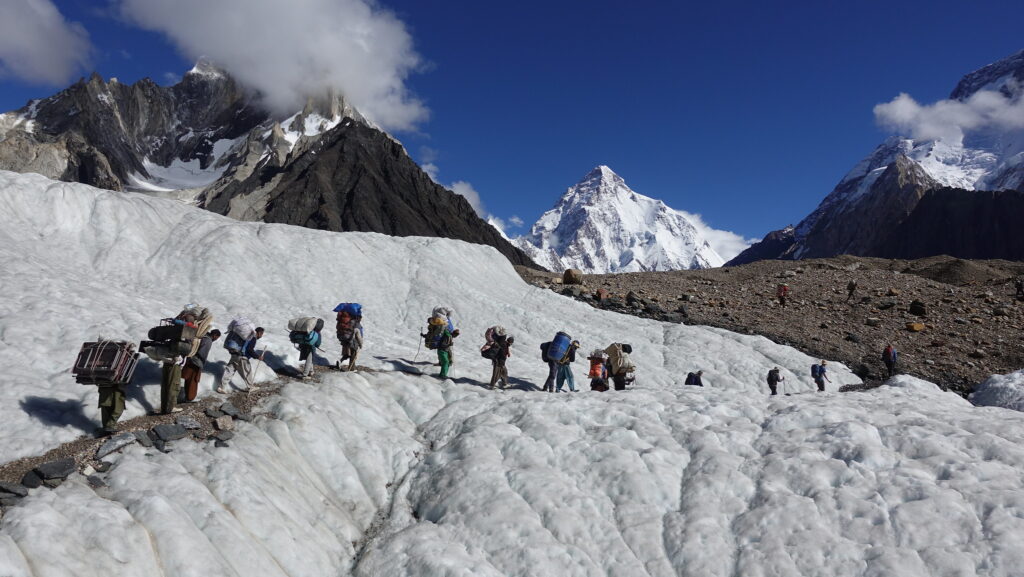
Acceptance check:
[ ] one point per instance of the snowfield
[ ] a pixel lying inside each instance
(396, 473)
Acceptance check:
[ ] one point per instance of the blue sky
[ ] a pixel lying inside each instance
(745, 112)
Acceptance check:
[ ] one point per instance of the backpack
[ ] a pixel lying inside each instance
(493, 332)
(490, 351)
(435, 332)
(544, 351)
(558, 348)
(815, 371)
(305, 331)
(353, 309)
(234, 343)
(597, 369)
(242, 327)
(690, 379)
(618, 359)
(773, 377)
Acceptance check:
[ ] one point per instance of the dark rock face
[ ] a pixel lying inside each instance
(961, 223)
(358, 179)
(773, 246)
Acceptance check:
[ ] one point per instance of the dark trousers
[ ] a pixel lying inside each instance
(111, 405)
(549, 383)
(620, 382)
(191, 374)
(820, 381)
(891, 367)
(169, 386)
(774, 388)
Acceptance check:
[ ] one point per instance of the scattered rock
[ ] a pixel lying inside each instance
(977, 354)
(687, 298)
(10, 489)
(915, 327)
(885, 305)
(601, 295)
(52, 483)
(893, 292)
(852, 338)
(161, 446)
(573, 291)
(224, 423)
(230, 410)
(169, 432)
(918, 309)
(144, 439)
(247, 417)
(960, 321)
(572, 276)
(116, 443)
(31, 480)
(223, 435)
(95, 481)
(632, 298)
(673, 317)
(189, 422)
(1000, 312)
(103, 466)
(59, 469)
(873, 321)
(219, 443)
(681, 309)
(789, 274)
(213, 413)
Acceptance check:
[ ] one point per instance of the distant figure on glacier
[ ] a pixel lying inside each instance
(851, 287)
(193, 369)
(782, 293)
(350, 333)
(565, 369)
(440, 336)
(819, 373)
(694, 379)
(553, 353)
(1019, 284)
(241, 346)
(889, 356)
(620, 365)
(497, 348)
(598, 370)
(774, 378)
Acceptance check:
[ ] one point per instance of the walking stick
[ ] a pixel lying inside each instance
(248, 391)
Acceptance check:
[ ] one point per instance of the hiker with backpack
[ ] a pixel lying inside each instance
(193, 369)
(194, 321)
(565, 369)
(552, 353)
(818, 373)
(890, 356)
(620, 365)
(694, 379)
(782, 293)
(851, 287)
(598, 373)
(350, 333)
(440, 336)
(774, 378)
(1019, 285)
(497, 348)
(241, 345)
(305, 334)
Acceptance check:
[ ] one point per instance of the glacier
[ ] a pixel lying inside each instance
(394, 472)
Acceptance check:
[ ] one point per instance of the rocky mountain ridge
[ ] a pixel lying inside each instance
(208, 141)
(601, 225)
(869, 213)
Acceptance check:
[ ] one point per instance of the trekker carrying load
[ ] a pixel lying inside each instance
(498, 349)
(440, 336)
(818, 373)
(241, 345)
(109, 365)
(620, 366)
(174, 341)
(598, 370)
(350, 333)
(774, 378)
(193, 369)
(782, 293)
(565, 369)
(304, 333)
(694, 379)
(851, 287)
(552, 353)
(890, 356)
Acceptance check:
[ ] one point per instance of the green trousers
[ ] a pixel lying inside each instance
(111, 405)
(169, 387)
(445, 358)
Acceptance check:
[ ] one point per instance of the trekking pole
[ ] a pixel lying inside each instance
(419, 344)
(248, 391)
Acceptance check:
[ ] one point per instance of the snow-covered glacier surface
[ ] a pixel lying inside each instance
(394, 473)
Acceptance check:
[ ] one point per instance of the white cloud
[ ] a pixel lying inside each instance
(288, 51)
(727, 244)
(515, 221)
(466, 189)
(38, 45)
(950, 120)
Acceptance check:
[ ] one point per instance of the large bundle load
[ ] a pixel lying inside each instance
(354, 310)
(105, 363)
(240, 330)
(349, 324)
(597, 359)
(305, 331)
(178, 337)
(558, 348)
(440, 319)
(619, 362)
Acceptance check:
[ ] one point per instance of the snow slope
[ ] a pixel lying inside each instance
(390, 473)
(600, 225)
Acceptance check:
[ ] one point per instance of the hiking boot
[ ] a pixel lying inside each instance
(221, 390)
(177, 410)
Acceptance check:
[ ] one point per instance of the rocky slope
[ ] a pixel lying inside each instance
(207, 140)
(601, 225)
(876, 210)
(966, 326)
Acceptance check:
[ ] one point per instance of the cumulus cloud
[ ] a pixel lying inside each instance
(38, 45)
(515, 221)
(950, 120)
(288, 51)
(727, 244)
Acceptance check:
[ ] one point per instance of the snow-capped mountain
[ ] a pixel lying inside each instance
(865, 213)
(207, 140)
(600, 225)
